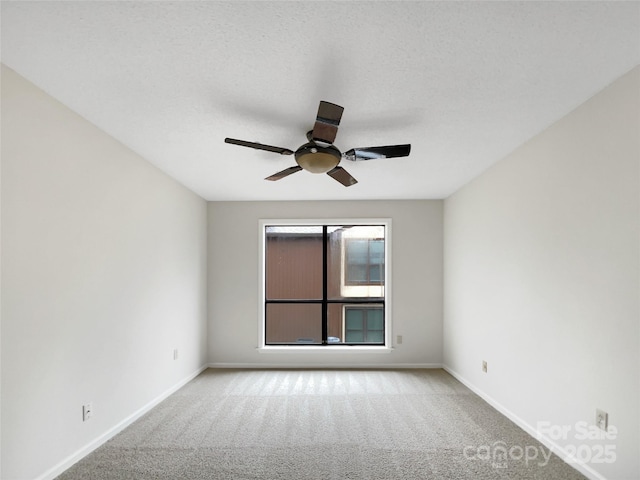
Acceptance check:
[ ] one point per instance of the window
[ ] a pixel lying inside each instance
(364, 324)
(324, 284)
(365, 261)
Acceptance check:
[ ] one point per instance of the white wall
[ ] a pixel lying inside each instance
(541, 276)
(416, 282)
(103, 275)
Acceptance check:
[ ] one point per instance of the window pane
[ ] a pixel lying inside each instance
(375, 274)
(354, 336)
(288, 323)
(354, 325)
(357, 251)
(376, 252)
(293, 263)
(356, 273)
(375, 337)
(374, 319)
(355, 319)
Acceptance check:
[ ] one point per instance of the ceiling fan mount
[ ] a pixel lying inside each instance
(319, 155)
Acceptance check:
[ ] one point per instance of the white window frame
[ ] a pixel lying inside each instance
(388, 321)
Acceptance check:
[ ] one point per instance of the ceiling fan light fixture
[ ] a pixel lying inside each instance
(318, 159)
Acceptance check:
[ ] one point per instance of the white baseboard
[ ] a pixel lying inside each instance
(327, 366)
(91, 446)
(582, 467)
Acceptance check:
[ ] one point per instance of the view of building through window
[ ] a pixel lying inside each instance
(324, 284)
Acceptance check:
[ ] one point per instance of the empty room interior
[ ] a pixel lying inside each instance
(186, 295)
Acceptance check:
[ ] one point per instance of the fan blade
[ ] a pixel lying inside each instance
(259, 146)
(341, 175)
(284, 173)
(327, 122)
(370, 153)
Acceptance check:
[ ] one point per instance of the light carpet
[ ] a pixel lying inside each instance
(322, 424)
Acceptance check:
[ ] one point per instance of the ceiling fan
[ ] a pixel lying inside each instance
(319, 155)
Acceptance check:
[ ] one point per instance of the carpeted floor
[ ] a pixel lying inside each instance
(322, 424)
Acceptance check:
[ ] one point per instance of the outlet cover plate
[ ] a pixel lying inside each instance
(87, 412)
(602, 419)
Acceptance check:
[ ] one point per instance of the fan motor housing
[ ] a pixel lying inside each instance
(316, 158)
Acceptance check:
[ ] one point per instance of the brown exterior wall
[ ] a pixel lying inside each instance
(294, 268)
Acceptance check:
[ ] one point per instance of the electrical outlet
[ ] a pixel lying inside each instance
(484, 366)
(602, 419)
(175, 353)
(399, 339)
(87, 412)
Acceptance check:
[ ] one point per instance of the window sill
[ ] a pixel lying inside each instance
(324, 349)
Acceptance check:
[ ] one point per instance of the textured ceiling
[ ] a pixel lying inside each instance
(464, 82)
